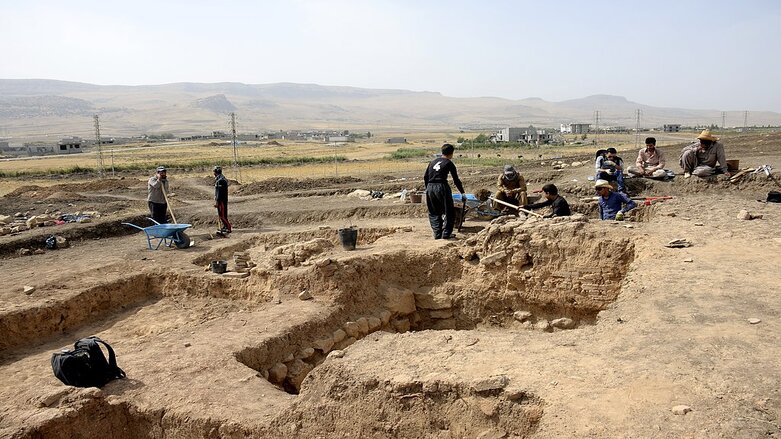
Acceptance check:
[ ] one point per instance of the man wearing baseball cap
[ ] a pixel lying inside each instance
(157, 187)
(512, 189)
(700, 158)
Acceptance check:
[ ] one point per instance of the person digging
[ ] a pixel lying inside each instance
(511, 189)
(157, 187)
(221, 201)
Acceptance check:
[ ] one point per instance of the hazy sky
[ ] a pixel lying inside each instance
(721, 55)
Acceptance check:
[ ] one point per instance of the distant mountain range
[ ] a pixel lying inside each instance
(37, 107)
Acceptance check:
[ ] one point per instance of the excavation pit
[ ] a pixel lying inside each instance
(516, 275)
(513, 277)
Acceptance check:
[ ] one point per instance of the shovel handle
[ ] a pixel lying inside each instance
(162, 186)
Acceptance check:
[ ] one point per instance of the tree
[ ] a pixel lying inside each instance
(481, 138)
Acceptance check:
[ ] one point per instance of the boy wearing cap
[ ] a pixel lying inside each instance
(221, 199)
(700, 158)
(439, 197)
(512, 189)
(611, 168)
(612, 205)
(157, 187)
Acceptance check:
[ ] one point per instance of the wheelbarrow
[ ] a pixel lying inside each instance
(168, 234)
(472, 205)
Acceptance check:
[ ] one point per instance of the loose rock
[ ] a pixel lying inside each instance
(754, 321)
(681, 409)
(28, 289)
(305, 295)
(489, 384)
(563, 323)
(522, 316)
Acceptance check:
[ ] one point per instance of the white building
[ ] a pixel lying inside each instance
(575, 128)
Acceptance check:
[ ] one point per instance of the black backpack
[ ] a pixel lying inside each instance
(85, 365)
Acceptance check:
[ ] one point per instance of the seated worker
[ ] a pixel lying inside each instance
(700, 158)
(512, 189)
(612, 205)
(611, 169)
(552, 198)
(598, 159)
(650, 161)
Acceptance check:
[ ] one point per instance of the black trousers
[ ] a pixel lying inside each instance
(222, 213)
(158, 212)
(439, 200)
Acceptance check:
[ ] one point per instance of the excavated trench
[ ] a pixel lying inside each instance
(508, 277)
(516, 274)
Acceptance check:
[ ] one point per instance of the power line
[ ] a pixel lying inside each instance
(596, 127)
(100, 149)
(637, 128)
(745, 121)
(723, 121)
(236, 167)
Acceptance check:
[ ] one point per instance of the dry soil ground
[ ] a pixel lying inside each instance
(405, 336)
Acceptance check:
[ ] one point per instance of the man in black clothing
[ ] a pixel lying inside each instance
(221, 199)
(553, 199)
(439, 197)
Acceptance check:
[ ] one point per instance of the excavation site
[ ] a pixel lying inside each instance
(665, 325)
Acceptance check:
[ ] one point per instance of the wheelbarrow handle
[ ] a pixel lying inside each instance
(463, 213)
(133, 225)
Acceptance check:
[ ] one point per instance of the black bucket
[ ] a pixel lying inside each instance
(349, 238)
(219, 267)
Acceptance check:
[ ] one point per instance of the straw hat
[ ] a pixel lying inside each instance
(706, 135)
(599, 184)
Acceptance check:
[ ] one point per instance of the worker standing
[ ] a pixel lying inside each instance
(221, 200)
(439, 196)
(157, 187)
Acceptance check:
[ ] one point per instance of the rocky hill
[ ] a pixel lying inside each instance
(48, 106)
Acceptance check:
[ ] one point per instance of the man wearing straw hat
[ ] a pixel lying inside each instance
(157, 188)
(612, 205)
(700, 158)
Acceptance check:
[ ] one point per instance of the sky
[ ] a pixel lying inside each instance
(719, 55)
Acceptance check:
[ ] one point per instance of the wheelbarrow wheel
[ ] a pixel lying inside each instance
(181, 240)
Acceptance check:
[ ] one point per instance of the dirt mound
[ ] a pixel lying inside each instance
(43, 192)
(282, 184)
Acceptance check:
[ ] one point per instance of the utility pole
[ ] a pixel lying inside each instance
(596, 126)
(100, 148)
(723, 121)
(236, 168)
(637, 128)
(745, 121)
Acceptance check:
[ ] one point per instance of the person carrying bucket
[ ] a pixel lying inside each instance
(439, 197)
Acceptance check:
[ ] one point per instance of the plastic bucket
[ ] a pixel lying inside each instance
(219, 267)
(415, 198)
(733, 165)
(349, 238)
